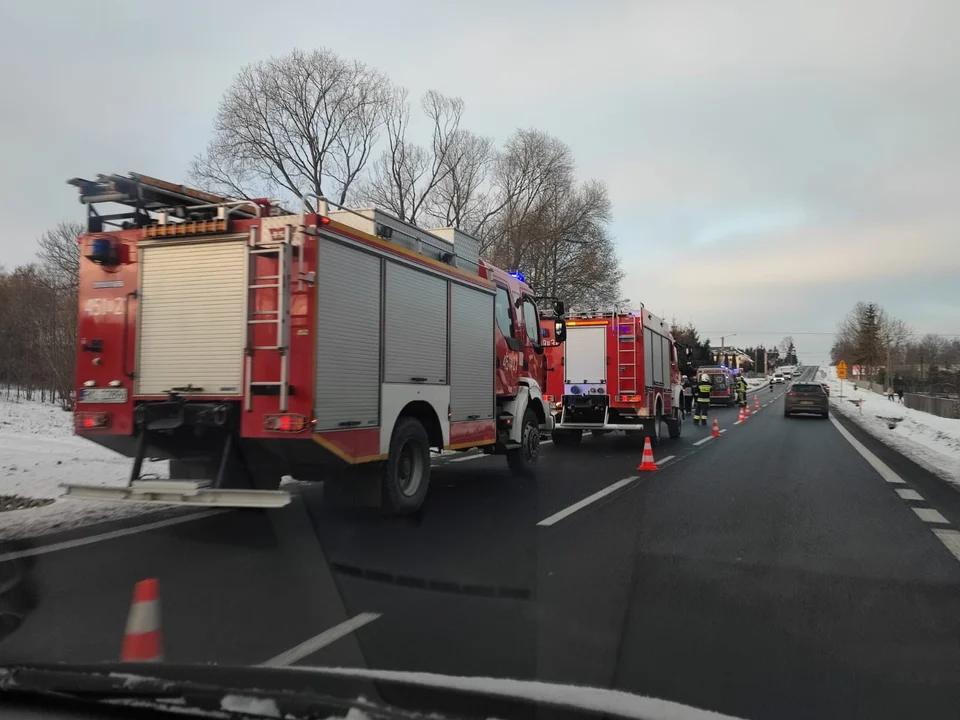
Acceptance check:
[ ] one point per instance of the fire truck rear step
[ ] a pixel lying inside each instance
(179, 492)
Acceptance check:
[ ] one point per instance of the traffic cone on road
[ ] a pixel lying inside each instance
(746, 411)
(756, 403)
(141, 639)
(716, 428)
(647, 462)
(742, 417)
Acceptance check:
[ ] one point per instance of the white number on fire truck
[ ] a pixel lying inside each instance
(104, 306)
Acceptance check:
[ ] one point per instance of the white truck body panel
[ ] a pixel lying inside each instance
(585, 355)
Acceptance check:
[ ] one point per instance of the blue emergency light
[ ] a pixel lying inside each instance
(518, 275)
(104, 251)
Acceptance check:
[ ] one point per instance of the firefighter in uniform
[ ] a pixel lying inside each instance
(741, 391)
(703, 400)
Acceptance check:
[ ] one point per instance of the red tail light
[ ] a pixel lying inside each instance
(549, 398)
(289, 422)
(791, 394)
(91, 420)
(629, 398)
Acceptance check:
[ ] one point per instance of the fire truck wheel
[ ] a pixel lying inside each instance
(566, 438)
(523, 459)
(675, 425)
(406, 474)
(653, 429)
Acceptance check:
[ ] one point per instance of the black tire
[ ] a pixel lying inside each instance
(523, 460)
(826, 415)
(653, 430)
(675, 426)
(406, 473)
(566, 438)
(786, 414)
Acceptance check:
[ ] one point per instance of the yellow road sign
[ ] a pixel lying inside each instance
(842, 370)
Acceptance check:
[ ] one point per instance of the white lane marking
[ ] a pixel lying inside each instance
(663, 461)
(723, 431)
(708, 438)
(876, 463)
(465, 458)
(557, 517)
(546, 442)
(112, 535)
(907, 494)
(929, 515)
(318, 642)
(950, 538)
(738, 422)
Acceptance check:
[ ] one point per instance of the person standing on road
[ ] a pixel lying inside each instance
(703, 400)
(741, 391)
(687, 396)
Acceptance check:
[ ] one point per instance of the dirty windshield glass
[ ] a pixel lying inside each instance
(292, 425)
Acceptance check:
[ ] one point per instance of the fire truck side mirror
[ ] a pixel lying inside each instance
(560, 331)
(558, 308)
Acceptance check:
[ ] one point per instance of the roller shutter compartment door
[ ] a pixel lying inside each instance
(416, 326)
(471, 354)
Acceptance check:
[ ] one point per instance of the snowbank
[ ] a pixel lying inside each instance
(931, 441)
(38, 451)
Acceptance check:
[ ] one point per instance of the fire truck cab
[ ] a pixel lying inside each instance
(619, 372)
(245, 342)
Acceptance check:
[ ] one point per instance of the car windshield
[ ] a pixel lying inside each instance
(346, 340)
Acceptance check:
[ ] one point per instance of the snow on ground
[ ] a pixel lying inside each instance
(38, 451)
(928, 440)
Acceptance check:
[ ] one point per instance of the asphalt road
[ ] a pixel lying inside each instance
(770, 573)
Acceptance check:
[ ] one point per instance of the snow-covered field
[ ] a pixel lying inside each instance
(928, 440)
(38, 451)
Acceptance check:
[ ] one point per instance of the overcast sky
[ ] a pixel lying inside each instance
(806, 153)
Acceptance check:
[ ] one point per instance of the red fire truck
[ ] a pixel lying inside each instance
(553, 352)
(619, 372)
(244, 343)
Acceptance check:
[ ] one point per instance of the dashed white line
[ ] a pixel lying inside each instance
(950, 538)
(737, 422)
(708, 438)
(929, 515)
(557, 517)
(317, 642)
(907, 494)
(112, 535)
(546, 442)
(723, 431)
(663, 461)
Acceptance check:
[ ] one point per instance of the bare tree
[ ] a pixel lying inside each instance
(303, 122)
(463, 193)
(59, 255)
(539, 219)
(405, 178)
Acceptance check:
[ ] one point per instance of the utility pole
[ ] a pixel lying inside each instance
(889, 369)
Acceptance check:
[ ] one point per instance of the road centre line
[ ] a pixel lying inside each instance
(318, 642)
(908, 494)
(557, 517)
(663, 461)
(929, 515)
(112, 535)
(708, 438)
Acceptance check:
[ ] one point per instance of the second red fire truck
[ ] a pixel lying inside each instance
(617, 371)
(244, 342)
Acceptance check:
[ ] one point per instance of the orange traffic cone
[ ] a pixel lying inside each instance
(756, 403)
(141, 639)
(647, 463)
(746, 411)
(742, 416)
(716, 428)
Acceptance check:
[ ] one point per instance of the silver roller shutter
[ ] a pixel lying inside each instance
(416, 326)
(348, 337)
(471, 354)
(191, 315)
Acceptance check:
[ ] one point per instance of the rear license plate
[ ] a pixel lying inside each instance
(806, 402)
(103, 395)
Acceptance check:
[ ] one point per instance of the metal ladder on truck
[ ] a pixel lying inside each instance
(626, 355)
(279, 316)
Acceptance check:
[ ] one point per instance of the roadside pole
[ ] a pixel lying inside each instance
(841, 375)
